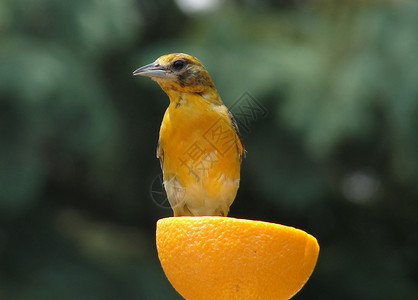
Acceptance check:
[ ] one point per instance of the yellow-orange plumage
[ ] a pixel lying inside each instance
(199, 147)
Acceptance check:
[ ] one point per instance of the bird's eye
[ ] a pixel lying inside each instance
(178, 64)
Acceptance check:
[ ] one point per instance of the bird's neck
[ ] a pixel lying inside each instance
(178, 98)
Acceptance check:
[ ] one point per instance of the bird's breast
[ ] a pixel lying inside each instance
(199, 144)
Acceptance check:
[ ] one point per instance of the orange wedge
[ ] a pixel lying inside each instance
(228, 258)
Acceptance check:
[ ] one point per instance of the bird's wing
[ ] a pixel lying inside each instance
(160, 154)
(240, 146)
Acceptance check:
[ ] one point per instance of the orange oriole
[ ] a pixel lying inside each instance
(199, 146)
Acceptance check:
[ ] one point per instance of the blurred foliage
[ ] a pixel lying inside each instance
(336, 154)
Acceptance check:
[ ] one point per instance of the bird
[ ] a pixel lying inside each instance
(199, 146)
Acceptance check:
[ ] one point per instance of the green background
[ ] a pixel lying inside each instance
(336, 154)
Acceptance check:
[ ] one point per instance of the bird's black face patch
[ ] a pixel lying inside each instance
(179, 64)
(184, 71)
(180, 68)
(185, 76)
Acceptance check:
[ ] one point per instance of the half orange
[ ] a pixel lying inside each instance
(228, 258)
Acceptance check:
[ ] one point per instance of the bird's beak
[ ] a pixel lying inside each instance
(151, 70)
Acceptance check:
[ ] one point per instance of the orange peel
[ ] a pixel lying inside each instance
(229, 258)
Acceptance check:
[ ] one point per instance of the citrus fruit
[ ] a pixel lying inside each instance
(228, 258)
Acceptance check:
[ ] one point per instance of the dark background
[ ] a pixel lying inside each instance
(335, 154)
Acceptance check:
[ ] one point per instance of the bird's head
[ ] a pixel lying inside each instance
(178, 72)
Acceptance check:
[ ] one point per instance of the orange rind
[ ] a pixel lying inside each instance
(229, 258)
